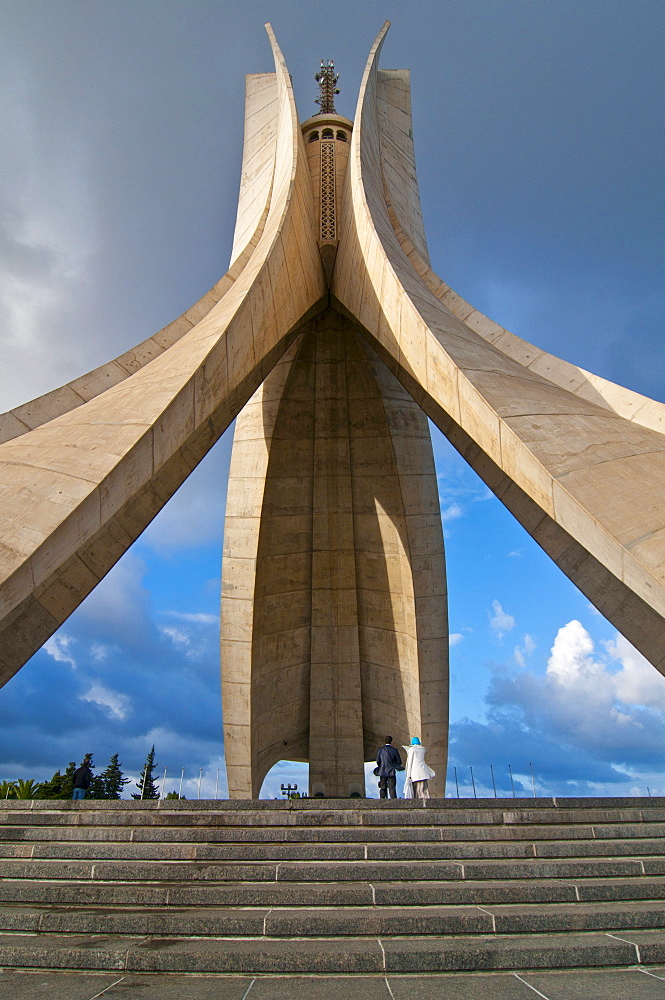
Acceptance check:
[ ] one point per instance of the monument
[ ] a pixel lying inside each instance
(331, 339)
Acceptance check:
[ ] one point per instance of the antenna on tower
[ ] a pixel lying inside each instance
(327, 81)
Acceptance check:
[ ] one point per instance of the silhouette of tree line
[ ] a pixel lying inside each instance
(107, 785)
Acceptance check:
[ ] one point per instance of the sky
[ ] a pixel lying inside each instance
(539, 144)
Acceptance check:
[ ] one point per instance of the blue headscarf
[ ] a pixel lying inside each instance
(415, 742)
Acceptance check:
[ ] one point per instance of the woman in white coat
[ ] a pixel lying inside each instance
(416, 771)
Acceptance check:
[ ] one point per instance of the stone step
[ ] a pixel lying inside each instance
(331, 871)
(404, 834)
(329, 921)
(437, 953)
(397, 851)
(310, 813)
(324, 887)
(251, 922)
(519, 891)
(526, 891)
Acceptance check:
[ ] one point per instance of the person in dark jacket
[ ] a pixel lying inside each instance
(387, 761)
(82, 779)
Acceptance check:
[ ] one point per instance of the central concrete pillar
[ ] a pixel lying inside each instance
(334, 626)
(335, 714)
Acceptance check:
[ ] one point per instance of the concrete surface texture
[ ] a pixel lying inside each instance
(334, 610)
(620, 984)
(334, 582)
(381, 890)
(334, 627)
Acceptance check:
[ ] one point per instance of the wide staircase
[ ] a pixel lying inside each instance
(332, 886)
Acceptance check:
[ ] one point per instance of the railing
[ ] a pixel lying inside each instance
(455, 786)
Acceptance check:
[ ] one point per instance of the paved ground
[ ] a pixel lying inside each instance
(615, 984)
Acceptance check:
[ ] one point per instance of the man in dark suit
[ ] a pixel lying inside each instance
(388, 761)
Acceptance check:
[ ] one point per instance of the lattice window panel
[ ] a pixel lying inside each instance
(328, 191)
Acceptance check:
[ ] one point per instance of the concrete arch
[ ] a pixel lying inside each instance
(78, 489)
(587, 482)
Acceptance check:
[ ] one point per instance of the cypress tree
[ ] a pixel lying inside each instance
(147, 787)
(51, 789)
(97, 789)
(68, 781)
(60, 786)
(112, 780)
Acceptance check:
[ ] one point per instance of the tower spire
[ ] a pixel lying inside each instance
(327, 80)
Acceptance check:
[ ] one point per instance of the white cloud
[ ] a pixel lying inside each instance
(117, 705)
(611, 705)
(526, 649)
(199, 618)
(190, 641)
(58, 647)
(500, 622)
(637, 682)
(593, 722)
(455, 638)
(451, 512)
(570, 660)
(178, 636)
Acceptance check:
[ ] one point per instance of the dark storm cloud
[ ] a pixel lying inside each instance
(505, 740)
(115, 679)
(542, 174)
